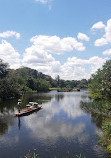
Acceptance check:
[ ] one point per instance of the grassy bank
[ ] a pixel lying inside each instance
(106, 138)
(100, 111)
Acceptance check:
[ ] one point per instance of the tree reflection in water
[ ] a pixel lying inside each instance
(7, 120)
(99, 110)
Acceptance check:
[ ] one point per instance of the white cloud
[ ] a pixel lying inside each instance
(9, 54)
(98, 25)
(96, 63)
(48, 2)
(101, 42)
(106, 39)
(8, 34)
(43, 1)
(83, 36)
(53, 44)
(73, 69)
(39, 59)
(107, 52)
(39, 56)
(76, 68)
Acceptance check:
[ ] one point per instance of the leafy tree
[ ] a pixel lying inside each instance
(42, 85)
(83, 83)
(100, 85)
(3, 69)
(58, 80)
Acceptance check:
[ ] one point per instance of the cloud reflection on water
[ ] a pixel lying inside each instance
(56, 119)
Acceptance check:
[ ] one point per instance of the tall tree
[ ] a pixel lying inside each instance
(100, 85)
(3, 69)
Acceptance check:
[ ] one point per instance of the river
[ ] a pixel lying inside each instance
(61, 129)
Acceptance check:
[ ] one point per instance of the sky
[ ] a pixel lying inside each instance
(69, 38)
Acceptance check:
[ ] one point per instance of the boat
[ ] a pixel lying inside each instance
(30, 107)
(78, 89)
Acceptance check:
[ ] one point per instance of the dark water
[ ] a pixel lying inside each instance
(62, 129)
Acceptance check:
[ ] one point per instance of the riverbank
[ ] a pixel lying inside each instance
(106, 138)
(101, 109)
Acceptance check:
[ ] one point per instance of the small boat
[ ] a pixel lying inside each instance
(31, 107)
(78, 89)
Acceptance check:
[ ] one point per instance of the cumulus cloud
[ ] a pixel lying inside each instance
(56, 45)
(39, 55)
(98, 25)
(107, 52)
(9, 54)
(101, 42)
(106, 39)
(8, 34)
(76, 68)
(83, 36)
(39, 59)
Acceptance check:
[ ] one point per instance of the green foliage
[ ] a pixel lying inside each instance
(106, 139)
(32, 154)
(83, 83)
(8, 88)
(100, 85)
(3, 69)
(100, 107)
(42, 85)
(26, 79)
(100, 111)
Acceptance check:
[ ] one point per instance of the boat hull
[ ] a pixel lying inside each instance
(27, 111)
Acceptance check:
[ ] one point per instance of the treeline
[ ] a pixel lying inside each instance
(100, 82)
(12, 82)
(100, 90)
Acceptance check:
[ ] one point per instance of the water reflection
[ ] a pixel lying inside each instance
(58, 118)
(63, 128)
(97, 109)
(6, 116)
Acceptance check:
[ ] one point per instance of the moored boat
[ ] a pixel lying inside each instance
(78, 89)
(31, 107)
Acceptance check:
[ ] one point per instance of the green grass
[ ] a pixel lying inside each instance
(106, 138)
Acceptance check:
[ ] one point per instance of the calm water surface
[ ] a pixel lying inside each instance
(62, 129)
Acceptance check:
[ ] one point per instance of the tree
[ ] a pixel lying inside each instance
(3, 69)
(100, 85)
(58, 80)
(42, 85)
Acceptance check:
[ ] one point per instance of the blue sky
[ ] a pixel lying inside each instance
(70, 38)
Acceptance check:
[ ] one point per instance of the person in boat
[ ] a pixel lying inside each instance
(19, 105)
(19, 101)
(19, 108)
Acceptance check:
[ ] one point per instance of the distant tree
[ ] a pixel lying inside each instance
(32, 83)
(43, 85)
(58, 80)
(83, 84)
(8, 88)
(3, 69)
